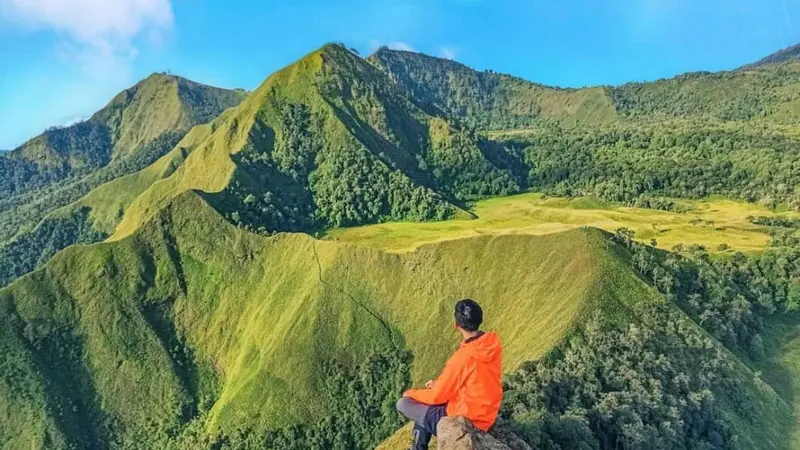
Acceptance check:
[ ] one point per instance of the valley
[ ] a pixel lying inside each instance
(708, 223)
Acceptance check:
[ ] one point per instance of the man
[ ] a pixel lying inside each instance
(468, 386)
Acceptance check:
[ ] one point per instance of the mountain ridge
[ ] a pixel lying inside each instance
(159, 235)
(788, 54)
(192, 291)
(210, 318)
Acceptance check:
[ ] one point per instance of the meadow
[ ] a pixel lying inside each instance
(712, 223)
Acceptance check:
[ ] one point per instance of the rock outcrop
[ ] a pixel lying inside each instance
(457, 433)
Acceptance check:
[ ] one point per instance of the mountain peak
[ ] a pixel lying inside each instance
(791, 53)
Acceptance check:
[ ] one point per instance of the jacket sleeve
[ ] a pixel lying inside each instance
(446, 385)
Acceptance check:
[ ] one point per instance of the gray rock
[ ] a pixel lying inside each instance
(457, 433)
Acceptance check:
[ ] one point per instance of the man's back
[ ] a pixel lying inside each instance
(480, 393)
(470, 384)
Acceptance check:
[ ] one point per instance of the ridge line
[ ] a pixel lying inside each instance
(352, 297)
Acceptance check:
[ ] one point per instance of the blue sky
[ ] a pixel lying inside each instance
(61, 60)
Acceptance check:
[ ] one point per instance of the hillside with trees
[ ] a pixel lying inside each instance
(137, 127)
(208, 317)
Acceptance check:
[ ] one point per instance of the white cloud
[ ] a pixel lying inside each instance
(73, 120)
(447, 53)
(93, 29)
(400, 45)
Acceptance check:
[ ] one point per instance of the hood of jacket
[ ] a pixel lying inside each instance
(485, 348)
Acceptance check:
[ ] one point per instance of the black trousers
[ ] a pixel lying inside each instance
(425, 417)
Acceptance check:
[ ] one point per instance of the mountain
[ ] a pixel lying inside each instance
(204, 320)
(427, 135)
(57, 168)
(788, 54)
(327, 142)
(156, 106)
(178, 333)
(488, 99)
(90, 219)
(137, 127)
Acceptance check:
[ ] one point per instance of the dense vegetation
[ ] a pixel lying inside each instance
(636, 165)
(730, 297)
(649, 384)
(20, 212)
(176, 336)
(64, 164)
(77, 150)
(363, 401)
(779, 222)
(654, 382)
(26, 252)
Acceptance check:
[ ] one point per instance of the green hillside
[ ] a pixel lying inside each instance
(206, 320)
(488, 99)
(158, 105)
(234, 309)
(142, 124)
(137, 127)
(186, 323)
(329, 141)
(92, 218)
(335, 140)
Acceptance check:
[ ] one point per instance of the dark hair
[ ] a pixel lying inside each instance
(469, 314)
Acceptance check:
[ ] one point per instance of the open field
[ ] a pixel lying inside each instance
(707, 222)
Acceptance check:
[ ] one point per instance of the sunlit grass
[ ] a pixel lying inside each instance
(710, 223)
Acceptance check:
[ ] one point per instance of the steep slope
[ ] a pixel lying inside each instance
(488, 99)
(137, 127)
(158, 105)
(234, 306)
(767, 95)
(93, 217)
(495, 101)
(329, 142)
(191, 322)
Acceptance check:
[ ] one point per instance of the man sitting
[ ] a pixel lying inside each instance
(468, 386)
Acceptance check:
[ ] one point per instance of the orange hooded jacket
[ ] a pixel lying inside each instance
(470, 382)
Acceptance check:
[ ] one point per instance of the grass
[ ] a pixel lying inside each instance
(709, 222)
(236, 299)
(109, 201)
(191, 318)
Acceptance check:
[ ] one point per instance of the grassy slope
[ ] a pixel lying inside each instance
(158, 104)
(135, 126)
(781, 368)
(720, 221)
(346, 128)
(97, 213)
(109, 201)
(236, 299)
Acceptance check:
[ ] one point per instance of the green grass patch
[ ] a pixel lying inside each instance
(707, 222)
